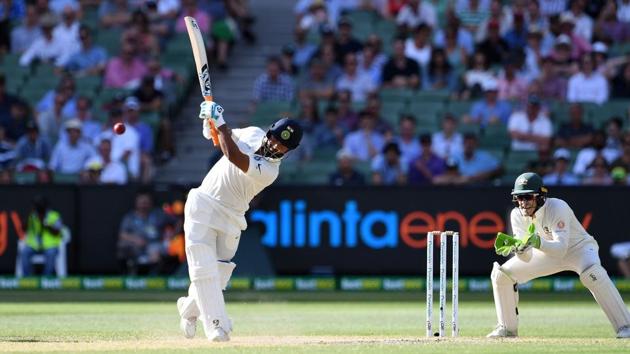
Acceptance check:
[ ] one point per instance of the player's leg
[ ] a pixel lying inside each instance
(505, 279)
(205, 283)
(586, 263)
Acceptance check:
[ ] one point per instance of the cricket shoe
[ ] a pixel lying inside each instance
(501, 332)
(187, 325)
(218, 335)
(623, 332)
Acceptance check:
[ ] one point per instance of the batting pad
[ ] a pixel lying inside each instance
(505, 298)
(190, 309)
(225, 272)
(606, 294)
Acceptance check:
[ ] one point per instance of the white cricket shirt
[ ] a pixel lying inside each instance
(556, 224)
(234, 189)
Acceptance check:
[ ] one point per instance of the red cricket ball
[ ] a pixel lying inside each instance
(119, 128)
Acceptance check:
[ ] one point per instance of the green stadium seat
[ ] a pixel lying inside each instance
(391, 112)
(359, 17)
(88, 85)
(599, 115)
(66, 178)
(517, 161)
(25, 177)
(386, 29)
(495, 136)
(268, 112)
(395, 94)
(458, 108)
(431, 96)
(110, 40)
(315, 172)
(426, 111)
(473, 128)
(152, 119)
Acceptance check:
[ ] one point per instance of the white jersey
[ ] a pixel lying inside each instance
(233, 189)
(556, 224)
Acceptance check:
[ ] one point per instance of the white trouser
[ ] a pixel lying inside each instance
(205, 248)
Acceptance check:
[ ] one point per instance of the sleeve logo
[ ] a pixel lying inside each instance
(560, 224)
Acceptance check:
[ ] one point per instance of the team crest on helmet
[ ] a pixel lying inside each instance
(522, 181)
(285, 135)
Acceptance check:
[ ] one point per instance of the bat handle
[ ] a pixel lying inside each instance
(213, 130)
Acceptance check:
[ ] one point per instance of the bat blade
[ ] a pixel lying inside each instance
(201, 63)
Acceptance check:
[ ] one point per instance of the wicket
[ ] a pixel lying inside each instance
(443, 281)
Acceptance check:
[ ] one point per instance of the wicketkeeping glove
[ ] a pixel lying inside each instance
(505, 244)
(531, 240)
(211, 110)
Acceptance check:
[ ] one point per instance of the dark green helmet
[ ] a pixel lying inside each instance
(528, 183)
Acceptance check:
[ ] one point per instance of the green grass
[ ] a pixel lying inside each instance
(296, 323)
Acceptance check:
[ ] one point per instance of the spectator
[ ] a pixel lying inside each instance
(621, 83)
(70, 156)
(114, 13)
(580, 45)
(439, 74)
(564, 64)
(348, 117)
(374, 107)
(418, 47)
(304, 50)
(330, 133)
(7, 101)
(46, 48)
(146, 41)
(286, 61)
(190, 8)
(359, 83)
(164, 80)
(371, 60)
(125, 147)
(497, 12)
(32, 152)
(489, 110)
(407, 142)
(316, 83)
(101, 169)
(346, 174)
(455, 39)
(415, 13)
(425, 167)
(90, 59)
(575, 133)
(583, 22)
(50, 122)
(19, 118)
(623, 161)
(149, 98)
(346, 43)
(588, 85)
(608, 68)
(552, 85)
(329, 58)
(90, 129)
(223, 33)
(366, 142)
(140, 236)
(475, 165)
(561, 176)
(598, 173)
(494, 48)
(552, 7)
(273, 85)
(511, 86)
(388, 168)
(28, 32)
(240, 12)
(610, 29)
(43, 236)
(477, 74)
(516, 37)
(623, 12)
(145, 133)
(534, 54)
(67, 32)
(530, 129)
(543, 163)
(451, 175)
(535, 17)
(7, 151)
(314, 15)
(125, 70)
(587, 155)
(614, 132)
(448, 143)
(472, 15)
(400, 71)
(621, 252)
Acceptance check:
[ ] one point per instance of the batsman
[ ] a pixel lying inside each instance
(548, 239)
(215, 213)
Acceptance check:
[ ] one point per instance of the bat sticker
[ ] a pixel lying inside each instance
(204, 80)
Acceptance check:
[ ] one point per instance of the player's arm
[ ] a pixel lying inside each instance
(211, 110)
(559, 243)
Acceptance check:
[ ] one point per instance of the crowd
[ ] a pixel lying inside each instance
(543, 73)
(104, 63)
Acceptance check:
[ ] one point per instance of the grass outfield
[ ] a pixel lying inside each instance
(296, 323)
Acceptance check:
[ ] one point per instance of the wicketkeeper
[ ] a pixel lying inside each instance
(548, 239)
(215, 213)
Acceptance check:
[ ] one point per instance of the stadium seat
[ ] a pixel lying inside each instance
(433, 96)
(88, 85)
(66, 178)
(268, 112)
(25, 177)
(458, 108)
(517, 161)
(495, 136)
(110, 40)
(395, 94)
(599, 115)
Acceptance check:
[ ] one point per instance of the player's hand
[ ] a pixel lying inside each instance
(532, 240)
(211, 110)
(207, 130)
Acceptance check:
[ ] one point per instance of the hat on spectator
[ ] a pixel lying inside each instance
(132, 102)
(94, 164)
(490, 85)
(73, 124)
(618, 173)
(562, 154)
(535, 30)
(600, 47)
(563, 39)
(533, 99)
(344, 154)
(567, 17)
(48, 20)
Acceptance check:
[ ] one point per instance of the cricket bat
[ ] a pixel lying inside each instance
(203, 70)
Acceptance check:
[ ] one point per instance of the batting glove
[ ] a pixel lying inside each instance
(207, 130)
(211, 110)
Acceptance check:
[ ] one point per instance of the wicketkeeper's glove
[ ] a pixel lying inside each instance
(505, 244)
(211, 110)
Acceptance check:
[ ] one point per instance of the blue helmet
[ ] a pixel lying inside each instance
(287, 131)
